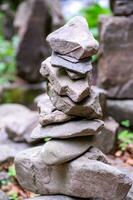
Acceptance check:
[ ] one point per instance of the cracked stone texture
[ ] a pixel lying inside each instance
(48, 113)
(69, 129)
(72, 178)
(63, 85)
(56, 152)
(74, 39)
(82, 67)
(89, 108)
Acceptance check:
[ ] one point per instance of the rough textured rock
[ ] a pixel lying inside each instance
(63, 85)
(6, 153)
(3, 196)
(121, 110)
(80, 44)
(56, 152)
(48, 113)
(34, 21)
(106, 141)
(128, 170)
(89, 108)
(116, 47)
(18, 121)
(78, 175)
(81, 67)
(68, 129)
(122, 7)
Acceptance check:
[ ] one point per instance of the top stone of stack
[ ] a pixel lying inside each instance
(74, 39)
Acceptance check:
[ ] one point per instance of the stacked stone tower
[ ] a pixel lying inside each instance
(70, 118)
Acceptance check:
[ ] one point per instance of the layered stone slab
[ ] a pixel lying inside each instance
(63, 85)
(72, 178)
(69, 129)
(82, 67)
(56, 152)
(74, 39)
(89, 108)
(48, 113)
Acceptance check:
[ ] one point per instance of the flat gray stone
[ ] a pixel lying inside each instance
(81, 67)
(56, 152)
(69, 129)
(89, 108)
(72, 178)
(63, 85)
(48, 113)
(74, 39)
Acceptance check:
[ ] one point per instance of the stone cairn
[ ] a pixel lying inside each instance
(68, 166)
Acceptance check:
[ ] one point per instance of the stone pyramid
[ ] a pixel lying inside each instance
(70, 118)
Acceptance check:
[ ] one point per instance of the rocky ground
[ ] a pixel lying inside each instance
(15, 138)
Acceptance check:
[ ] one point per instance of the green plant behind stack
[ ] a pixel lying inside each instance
(91, 14)
(7, 60)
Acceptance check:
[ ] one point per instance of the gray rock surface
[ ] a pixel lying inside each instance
(128, 170)
(69, 129)
(121, 110)
(6, 153)
(48, 113)
(106, 140)
(82, 67)
(80, 44)
(122, 91)
(18, 146)
(3, 196)
(89, 108)
(63, 85)
(34, 21)
(116, 56)
(122, 7)
(78, 175)
(53, 197)
(18, 121)
(56, 152)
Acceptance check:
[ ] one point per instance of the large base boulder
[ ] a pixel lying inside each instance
(85, 177)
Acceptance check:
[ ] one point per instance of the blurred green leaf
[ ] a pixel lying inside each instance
(125, 123)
